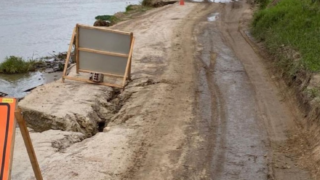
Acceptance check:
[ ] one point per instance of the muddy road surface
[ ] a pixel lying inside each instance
(223, 117)
(240, 103)
(202, 105)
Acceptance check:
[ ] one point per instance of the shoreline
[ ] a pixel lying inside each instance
(51, 73)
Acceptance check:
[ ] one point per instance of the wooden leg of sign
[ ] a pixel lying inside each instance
(129, 73)
(68, 56)
(126, 74)
(28, 143)
(77, 48)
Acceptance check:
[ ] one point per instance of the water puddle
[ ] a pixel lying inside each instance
(213, 17)
(18, 85)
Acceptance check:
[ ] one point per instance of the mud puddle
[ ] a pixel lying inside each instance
(213, 17)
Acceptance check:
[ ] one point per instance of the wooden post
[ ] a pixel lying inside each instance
(28, 143)
(68, 56)
(129, 75)
(126, 74)
(77, 49)
(132, 38)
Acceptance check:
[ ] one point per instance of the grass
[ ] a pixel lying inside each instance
(14, 65)
(294, 24)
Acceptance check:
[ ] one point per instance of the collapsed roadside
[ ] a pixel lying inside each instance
(147, 130)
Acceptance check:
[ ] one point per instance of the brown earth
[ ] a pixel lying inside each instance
(209, 109)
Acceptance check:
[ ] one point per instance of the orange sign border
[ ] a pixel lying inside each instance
(6, 160)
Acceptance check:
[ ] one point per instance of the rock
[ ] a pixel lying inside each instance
(102, 23)
(67, 141)
(106, 129)
(2, 94)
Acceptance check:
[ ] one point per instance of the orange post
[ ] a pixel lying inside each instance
(181, 2)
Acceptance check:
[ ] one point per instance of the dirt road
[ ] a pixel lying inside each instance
(227, 118)
(209, 108)
(247, 114)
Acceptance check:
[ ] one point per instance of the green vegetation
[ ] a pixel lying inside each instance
(110, 18)
(129, 8)
(13, 65)
(104, 17)
(147, 2)
(312, 92)
(293, 25)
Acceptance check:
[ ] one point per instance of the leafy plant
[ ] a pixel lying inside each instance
(15, 64)
(129, 8)
(147, 2)
(104, 17)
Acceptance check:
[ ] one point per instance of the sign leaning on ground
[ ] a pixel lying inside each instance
(7, 130)
(103, 51)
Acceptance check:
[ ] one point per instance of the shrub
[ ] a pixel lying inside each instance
(147, 2)
(129, 8)
(104, 17)
(15, 64)
(111, 19)
(294, 24)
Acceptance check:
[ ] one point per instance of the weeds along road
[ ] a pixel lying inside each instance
(209, 109)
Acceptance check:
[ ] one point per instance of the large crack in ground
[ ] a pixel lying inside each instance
(105, 111)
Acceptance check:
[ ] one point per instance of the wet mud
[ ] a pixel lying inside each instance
(244, 120)
(227, 103)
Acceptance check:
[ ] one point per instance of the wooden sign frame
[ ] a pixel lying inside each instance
(75, 36)
(28, 143)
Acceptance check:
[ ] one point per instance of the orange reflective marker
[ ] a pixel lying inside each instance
(7, 129)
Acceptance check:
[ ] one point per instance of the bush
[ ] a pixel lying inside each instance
(129, 8)
(294, 24)
(15, 64)
(147, 2)
(111, 19)
(104, 17)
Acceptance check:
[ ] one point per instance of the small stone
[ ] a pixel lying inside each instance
(106, 129)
